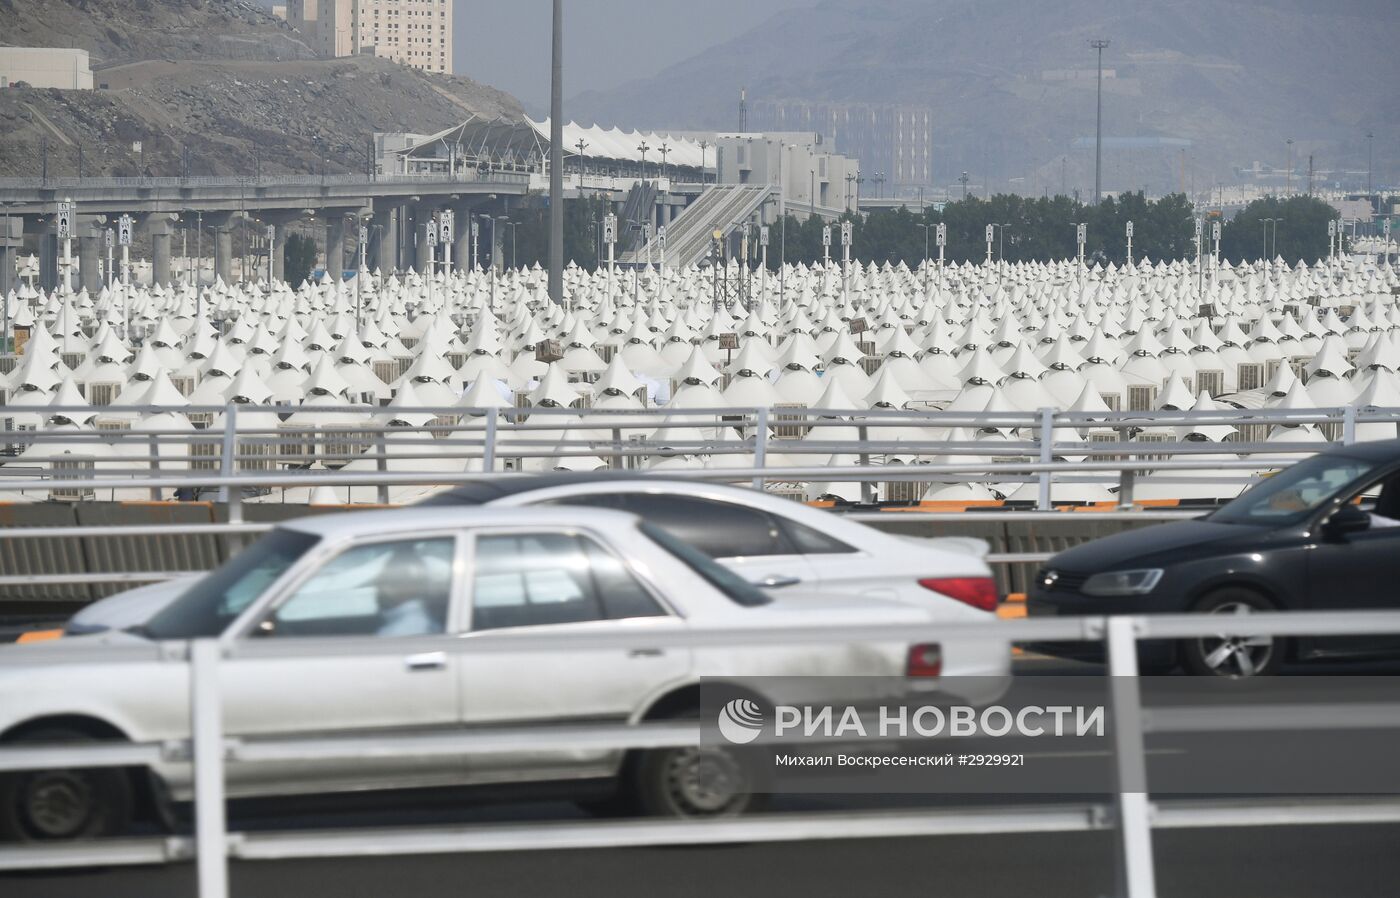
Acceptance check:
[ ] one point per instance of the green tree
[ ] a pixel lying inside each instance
(298, 258)
(1301, 230)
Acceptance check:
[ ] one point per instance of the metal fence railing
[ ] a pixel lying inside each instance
(1132, 816)
(255, 182)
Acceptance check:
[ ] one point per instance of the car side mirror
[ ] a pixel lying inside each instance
(1347, 520)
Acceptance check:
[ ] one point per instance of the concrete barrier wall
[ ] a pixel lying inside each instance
(196, 552)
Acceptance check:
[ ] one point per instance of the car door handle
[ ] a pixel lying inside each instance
(426, 661)
(645, 653)
(778, 581)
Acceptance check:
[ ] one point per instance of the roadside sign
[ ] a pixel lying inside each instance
(661, 236)
(729, 341)
(432, 233)
(271, 232)
(110, 237)
(826, 235)
(991, 233)
(65, 219)
(124, 230)
(1082, 232)
(847, 231)
(445, 227)
(1215, 230)
(610, 228)
(1332, 228)
(364, 234)
(1200, 226)
(1130, 229)
(763, 236)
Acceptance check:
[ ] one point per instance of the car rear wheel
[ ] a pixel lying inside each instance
(61, 805)
(705, 781)
(1233, 656)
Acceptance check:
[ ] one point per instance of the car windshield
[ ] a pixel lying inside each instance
(1293, 493)
(212, 603)
(734, 587)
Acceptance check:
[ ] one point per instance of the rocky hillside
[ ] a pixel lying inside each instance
(115, 31)
(252, 96)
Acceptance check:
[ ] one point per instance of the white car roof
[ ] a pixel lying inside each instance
(348, 525)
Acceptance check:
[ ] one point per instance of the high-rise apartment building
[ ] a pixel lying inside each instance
(417, 33)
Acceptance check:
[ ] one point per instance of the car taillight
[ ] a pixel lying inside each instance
(925, 660)
(979, 592)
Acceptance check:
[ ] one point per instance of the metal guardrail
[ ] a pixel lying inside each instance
(612, 434)
(1131, 816)
(255, 182)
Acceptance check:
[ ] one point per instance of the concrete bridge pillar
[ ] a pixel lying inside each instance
(11, 240)
(278, 250)
(462, 238)
(90, 247)
(384, 239)
(422, 215)
(160, 227)
(48, 259)
(335, 243)
(222, 226)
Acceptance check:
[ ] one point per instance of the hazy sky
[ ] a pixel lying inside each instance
(505, 43)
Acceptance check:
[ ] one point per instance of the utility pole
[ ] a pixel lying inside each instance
(1370, 160)
(556, 160)
(1288, 184)
(1099, 45)
(962, 179)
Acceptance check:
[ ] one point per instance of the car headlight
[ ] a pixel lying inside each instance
(1122, 583)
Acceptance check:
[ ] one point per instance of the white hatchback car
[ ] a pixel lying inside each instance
(419, 577)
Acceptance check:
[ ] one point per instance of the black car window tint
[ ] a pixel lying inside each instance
(719, 529)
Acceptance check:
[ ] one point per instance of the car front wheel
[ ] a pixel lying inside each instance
(60, 805)
(1233, 656)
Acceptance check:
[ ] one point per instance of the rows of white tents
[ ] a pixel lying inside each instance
(408, 370)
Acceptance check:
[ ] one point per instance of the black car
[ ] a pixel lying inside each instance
(1322, 534)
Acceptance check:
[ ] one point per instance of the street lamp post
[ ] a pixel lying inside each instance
(664, 151)
(926, 228)
(581, 161)
(849, 180)
(703, 144)
(642, 148)
(1099, 45)
(962, 179)
(1370, 160)
(1288, 183)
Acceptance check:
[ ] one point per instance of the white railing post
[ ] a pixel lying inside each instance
(760, 446)
(1348, 424)
(867, 489)
(1136, 878)
(488, 446)
(1047, 429)
(207, 736)
(381, 464)
(154, 463)
(228, 447)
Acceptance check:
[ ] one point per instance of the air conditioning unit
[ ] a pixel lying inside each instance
(1250, 376)
(606, 351)
(789, 425)
(1114, 401)
(872, 363)
(386, 370)
(867, 347)
(72, 360)
(1142, 397)
(14, 445)
(440, 427)
(297, 444)
(102, 393)
(1154, 438)
(183, 383)
(1299, 364)
(201, 420)
(77, 468)
(344, 441)
(787, 490)
(408, 342)
(1212, 382)
(113, 425)
(1271, 368)
(456, 359)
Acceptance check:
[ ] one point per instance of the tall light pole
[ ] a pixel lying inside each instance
(664, 150)
(642, 148)
(556, 160)
(926, 229)
(582, 144)
(1288, 184)
(1370, 159)
(1099, 45)
(703, 145)
(962, 179)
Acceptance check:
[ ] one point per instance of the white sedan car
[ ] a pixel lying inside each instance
(769, 541)
(416, 577)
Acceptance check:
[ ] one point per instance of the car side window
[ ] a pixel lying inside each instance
(811, 541)
(397, 588)
(537, 579)
(719, 529)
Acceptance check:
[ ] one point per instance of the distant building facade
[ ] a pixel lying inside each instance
(894, 143)
(416, 33)
(65, 69)
(810, 173)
